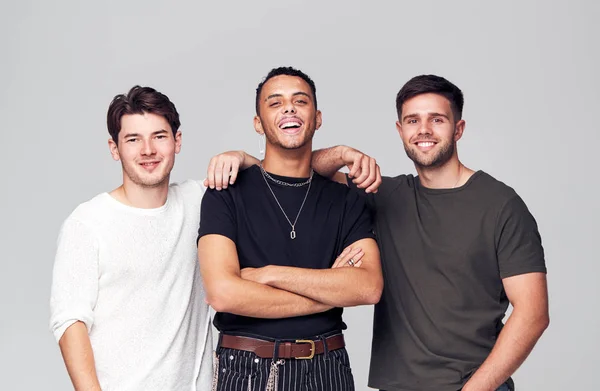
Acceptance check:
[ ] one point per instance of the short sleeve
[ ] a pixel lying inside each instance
(74, 289)
(519, 245)
(358, 219)
(368, 197)
(217, 214)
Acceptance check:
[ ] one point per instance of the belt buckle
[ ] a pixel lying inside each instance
(312, 349)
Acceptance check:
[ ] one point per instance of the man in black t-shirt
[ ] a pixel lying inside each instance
(281, 251)
(457, 246)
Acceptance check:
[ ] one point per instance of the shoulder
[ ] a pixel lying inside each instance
(92, 209)
(188, 191)
(489, 188)
(89, 213)
(390, 186)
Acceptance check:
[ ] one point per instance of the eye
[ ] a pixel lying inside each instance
(274, 104)
(438, 120)
(301, 101)
(131, 140)
(411, 121)
(161, 136)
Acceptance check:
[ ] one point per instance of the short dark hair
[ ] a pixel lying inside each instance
(287, 71)
(140, 100)
(433, 84)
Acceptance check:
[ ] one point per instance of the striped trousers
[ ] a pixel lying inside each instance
(237, 370)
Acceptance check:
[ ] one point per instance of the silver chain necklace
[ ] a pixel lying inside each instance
(309, 181)
(282, 183)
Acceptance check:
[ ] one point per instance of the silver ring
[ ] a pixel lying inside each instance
(351, 262)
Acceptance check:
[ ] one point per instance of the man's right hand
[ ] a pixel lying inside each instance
(223, 168)
(364, 170)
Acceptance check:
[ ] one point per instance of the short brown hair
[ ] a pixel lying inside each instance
(426, 84)
(140, 100)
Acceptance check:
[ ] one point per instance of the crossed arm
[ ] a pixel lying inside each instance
(282, 292)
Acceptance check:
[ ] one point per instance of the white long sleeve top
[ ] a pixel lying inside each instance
(131, 275)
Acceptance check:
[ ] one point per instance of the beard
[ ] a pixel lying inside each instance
(283, 141)
(149, 180)
(444, 154)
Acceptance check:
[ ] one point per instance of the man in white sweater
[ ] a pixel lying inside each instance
(127, 305)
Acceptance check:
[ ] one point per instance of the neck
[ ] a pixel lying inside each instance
(447, 176)
(142, 197)
(286, 162)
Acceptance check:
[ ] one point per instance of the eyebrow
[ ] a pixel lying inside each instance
(428, 114)
(280, 95)
(128, 135)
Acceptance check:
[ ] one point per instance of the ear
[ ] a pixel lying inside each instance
(459, 129)
(114, 149)
(399, 128)
(178, 141)
(319, 120)
(258, 125)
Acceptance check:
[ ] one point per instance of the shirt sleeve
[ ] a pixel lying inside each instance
(74, 289)
(519, 245)
(217, 214)
(368, 197)
(358, 219)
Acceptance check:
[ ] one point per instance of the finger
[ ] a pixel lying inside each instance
(355, 166)
(372, 174)
(358, 264)
(219, 175)
(235, 168)
(210, 173)
(353, 254)
(375, 185)
(352, 260)
(226, 171)
(205, 182)
(339, 261)
(364, 172)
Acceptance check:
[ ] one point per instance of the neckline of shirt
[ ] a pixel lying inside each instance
(429, 190)
(132, 209)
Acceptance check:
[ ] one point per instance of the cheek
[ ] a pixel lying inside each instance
(167, 149)
(127, 154)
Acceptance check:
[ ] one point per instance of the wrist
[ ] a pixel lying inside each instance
(341, 151)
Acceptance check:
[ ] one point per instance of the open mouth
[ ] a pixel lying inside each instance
(290, 125)
(149, 166)
(425, 145)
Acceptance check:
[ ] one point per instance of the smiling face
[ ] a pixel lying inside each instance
(428, 130)
(146, 149)
(288, 116)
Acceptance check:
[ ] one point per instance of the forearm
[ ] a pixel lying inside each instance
(248, 161)
(339, 287)
(77, 353)
(515, 342)
(248, 298)
(328, 161)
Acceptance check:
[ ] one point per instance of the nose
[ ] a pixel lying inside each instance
(148, 148)
(289, 108)
(425, 128)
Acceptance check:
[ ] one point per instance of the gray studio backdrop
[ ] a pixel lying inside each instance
(528, 70)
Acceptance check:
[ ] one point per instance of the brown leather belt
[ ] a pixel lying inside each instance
(300, 349)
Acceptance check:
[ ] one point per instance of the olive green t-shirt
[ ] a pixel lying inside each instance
(444, 254)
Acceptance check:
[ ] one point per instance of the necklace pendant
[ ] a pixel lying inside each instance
(293, 234)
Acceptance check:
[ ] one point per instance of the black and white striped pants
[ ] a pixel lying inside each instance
(238, 370)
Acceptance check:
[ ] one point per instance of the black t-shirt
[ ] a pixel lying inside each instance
(333, 217)
(444, 254)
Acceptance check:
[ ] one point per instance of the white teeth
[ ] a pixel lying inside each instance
(290, 124)
(425, 144)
